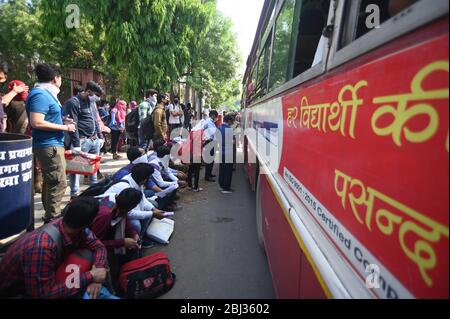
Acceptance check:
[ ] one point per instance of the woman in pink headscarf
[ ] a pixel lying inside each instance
(117, 125)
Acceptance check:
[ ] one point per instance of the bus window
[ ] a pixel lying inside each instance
(263, 69)
(313, 19)
(279, 73)
(386, 9)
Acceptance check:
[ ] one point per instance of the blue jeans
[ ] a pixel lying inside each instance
(143, 143)
(91, 147)
(141, 226)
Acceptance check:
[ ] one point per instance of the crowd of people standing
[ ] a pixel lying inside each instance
(112, 216)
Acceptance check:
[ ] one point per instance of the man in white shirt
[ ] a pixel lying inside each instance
(160, 164)
(175, 115)
(142, 215)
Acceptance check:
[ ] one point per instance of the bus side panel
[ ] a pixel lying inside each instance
(309, 285)
(363, 178)
(250, 168)
(282, 249)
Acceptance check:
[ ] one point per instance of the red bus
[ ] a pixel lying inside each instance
(353, 97)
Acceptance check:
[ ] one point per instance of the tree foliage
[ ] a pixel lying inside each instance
(139, 44)
(214, 64)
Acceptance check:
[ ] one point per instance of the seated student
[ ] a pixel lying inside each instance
(113, 227)
(161, 168)
(30, 265)
(112, 224)
(138, 156)
(142, 215)
(152, 156)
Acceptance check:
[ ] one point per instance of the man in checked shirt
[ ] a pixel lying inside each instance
(29, 266)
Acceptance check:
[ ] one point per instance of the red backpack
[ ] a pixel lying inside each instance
(192, 147)
(146, 278)
(83, 258)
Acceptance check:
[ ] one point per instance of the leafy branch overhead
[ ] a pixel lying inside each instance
(139, 44)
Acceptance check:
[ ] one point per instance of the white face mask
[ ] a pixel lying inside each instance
(141, 160)
(165, 161)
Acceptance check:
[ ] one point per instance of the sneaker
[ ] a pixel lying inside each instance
(198, 190)
(117, 157)
(228, 192)
(221, 189)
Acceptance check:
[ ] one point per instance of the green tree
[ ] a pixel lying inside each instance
(148, 40)
(21, 44)
(215, 61)
(27, 40)
(138, 44)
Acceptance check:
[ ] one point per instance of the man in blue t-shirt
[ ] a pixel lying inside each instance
(48, 127)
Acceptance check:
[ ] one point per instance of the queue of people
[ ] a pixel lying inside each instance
(110, 219)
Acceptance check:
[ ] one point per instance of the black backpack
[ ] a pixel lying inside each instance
(148, 127)
(101, 187)
(96, 190)
(132, 122)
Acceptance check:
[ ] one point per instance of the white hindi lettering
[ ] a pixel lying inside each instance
(26, 177)
(20, 153)
(9, 169)
(26, 166)
(9, 181)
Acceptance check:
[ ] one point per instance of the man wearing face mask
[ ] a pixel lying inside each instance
(146, 109)
(88, 138)
(48, 126)
(161, 167)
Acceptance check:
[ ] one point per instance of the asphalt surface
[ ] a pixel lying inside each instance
(214, 250)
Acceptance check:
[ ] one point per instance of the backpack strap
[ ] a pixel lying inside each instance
(77, 103)
(55, 235)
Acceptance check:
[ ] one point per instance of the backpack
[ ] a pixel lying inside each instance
(67, 137)
(147, 277)
(101, 187)
(148, 127)
(132, 122)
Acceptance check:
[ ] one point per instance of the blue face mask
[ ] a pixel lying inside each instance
(94, 99)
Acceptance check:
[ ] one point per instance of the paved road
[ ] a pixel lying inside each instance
(214, 250)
